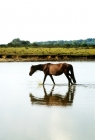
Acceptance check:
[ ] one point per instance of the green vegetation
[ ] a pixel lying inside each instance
(90, 42)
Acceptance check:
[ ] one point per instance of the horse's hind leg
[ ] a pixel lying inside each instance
(69, 79)
(70, 76)
(52, 79)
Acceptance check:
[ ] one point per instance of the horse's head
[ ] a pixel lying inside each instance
(32, 70)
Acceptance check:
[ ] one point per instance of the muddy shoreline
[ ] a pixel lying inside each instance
(24, 58)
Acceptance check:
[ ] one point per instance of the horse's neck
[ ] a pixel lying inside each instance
(39, 67)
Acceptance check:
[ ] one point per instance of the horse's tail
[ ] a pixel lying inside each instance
(72, 73)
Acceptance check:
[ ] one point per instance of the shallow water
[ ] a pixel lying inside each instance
(29, 111)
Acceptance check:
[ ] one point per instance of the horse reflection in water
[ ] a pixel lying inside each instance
(55, 99)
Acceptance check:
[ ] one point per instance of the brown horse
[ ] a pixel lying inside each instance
(56, 70)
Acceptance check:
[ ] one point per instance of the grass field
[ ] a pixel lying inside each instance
(46, 51)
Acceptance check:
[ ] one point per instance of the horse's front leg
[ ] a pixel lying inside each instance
(44, 79)
(52, 79)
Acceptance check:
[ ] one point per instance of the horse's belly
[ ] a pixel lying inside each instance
(56, 73)
(55, 70)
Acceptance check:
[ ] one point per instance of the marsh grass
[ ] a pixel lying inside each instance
(47, 51)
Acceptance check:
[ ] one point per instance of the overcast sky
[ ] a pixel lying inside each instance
(44, 20)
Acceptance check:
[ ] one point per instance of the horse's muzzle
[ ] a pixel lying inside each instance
(30, 74)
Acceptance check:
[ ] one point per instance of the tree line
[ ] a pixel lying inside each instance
(90, 42)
